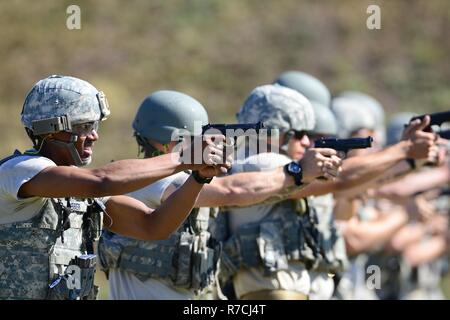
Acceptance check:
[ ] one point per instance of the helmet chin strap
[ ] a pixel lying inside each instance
(70, 147)
(149, 150)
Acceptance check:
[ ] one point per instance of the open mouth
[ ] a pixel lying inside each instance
(87, 152)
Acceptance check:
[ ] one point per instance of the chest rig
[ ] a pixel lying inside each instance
(51, 256)
(287, 233)
(333, 255)
(187, 259)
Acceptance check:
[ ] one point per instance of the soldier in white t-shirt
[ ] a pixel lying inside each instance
(185, 266)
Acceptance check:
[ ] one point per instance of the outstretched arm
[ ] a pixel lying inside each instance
(426, 251)
(415, 182)
(244, 189)
(115, 178)
(262, 187)
(361, 236)
(365, 171)
(359, 170)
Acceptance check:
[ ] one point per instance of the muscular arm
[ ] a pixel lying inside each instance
(243, 189)
(130, 217)
(359, 170)
(361, 236)
(423, 252)
(262, 187)
(115, 178)
(415, 182)
(395, 173)
(407, 235)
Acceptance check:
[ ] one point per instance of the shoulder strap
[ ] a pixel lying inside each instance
(16, 153)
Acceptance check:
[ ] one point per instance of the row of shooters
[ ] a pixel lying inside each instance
(163, 236)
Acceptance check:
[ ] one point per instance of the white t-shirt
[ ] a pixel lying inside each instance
(296, 277)
(13, 174)
(125, 285)
(259, 162)
(152, 194)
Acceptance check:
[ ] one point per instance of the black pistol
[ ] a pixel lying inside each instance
(234, 129)
(344, 144)
(436, 119)
(445, 134)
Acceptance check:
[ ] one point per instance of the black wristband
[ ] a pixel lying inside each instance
(294, 169)
(200, 179)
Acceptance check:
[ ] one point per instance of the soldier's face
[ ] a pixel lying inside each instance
(297, 146)
(62, 155)
(85, 144)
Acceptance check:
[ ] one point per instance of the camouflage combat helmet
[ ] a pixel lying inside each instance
(350, 116)
(373, 106)
(311, 87)
(278, 107)
(58, 102)
(370, 103)
(326, 123)
(163, 113)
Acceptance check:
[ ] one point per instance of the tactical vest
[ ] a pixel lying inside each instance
(188, 259)
(333, 255)
(287, 233)
(51, 255)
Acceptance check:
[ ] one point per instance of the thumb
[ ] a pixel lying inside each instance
(425, 123)
(413, 125)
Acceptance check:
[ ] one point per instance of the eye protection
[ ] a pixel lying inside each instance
(84, 129)
(298, 135)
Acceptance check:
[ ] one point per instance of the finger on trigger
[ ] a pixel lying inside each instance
(327, 151)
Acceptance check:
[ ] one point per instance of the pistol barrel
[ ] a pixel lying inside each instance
(224, 127)
(344, 144)
(436, 119)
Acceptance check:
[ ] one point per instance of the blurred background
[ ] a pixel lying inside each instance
(217, 52)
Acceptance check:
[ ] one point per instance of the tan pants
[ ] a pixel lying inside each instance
(274, 295)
